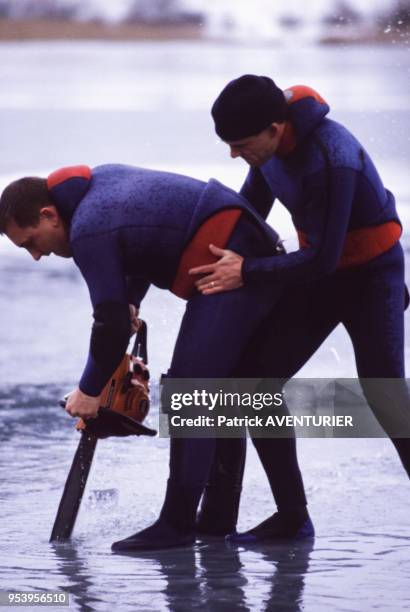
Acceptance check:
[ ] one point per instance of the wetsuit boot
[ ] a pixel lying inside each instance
(220, 504)
(218, 514)
(288, 524)
(175, 526)
(292, 521)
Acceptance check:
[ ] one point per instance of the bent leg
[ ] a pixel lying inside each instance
(286, 340)
(214, 332)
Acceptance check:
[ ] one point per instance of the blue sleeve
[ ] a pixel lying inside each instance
(328, 202)
(257, 191)
(137, 288)
(100, 263)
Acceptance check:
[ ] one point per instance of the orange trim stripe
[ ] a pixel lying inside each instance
(363, 245)
(62, 174)
(303, 91)
(216, 230)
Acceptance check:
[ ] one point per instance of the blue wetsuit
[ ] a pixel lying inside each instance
(331, 188)
(129, 228)
(350, 270)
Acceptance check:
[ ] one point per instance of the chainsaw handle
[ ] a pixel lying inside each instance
(140, 344)
(139, 350)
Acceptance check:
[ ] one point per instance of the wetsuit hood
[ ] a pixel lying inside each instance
(307, 109)
(67, 187)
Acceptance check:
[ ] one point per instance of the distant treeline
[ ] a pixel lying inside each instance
(148, 12)
(163, 12)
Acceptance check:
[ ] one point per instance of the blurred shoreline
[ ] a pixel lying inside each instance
(43, 29)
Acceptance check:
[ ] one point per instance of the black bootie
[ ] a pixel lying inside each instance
(220, 503)
(294, 524)
(219, 510)
(175, 526)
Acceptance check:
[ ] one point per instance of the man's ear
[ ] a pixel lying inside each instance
(273, 129)
(50, 213)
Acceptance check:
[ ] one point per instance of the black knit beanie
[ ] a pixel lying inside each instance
(246, 106)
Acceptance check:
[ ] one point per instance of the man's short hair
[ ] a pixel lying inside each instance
(247, 106)
(22, 200)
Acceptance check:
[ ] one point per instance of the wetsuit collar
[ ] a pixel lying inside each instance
(288, 141)
(67, 187)
(306, 110)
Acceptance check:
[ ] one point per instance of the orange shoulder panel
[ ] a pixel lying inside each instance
(62, 174)
(297, 92)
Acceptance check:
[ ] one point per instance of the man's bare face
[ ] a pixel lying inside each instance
(48, 236)
(257, 150)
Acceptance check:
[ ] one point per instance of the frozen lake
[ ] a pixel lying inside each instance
(148, 104)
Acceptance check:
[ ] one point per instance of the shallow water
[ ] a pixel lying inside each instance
(148, 104)
(358, 494)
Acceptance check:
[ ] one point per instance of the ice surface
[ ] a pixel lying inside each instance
(148, 105)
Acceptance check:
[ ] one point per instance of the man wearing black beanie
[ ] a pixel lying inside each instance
(247, 106)
(349, 267)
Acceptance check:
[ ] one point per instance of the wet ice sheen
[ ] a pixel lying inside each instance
(359, 496)
(361, 554)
